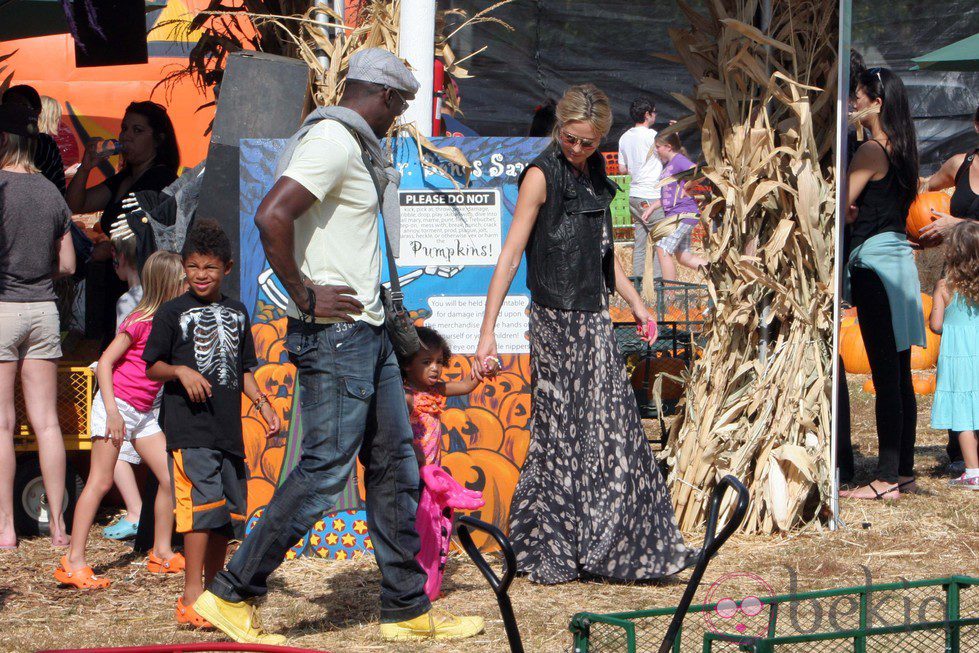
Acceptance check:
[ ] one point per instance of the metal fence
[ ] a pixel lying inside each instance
(929, 616)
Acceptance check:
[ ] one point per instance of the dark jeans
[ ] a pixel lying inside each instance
(352, 399)
(896, 407)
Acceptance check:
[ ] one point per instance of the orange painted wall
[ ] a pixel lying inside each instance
(97, 97)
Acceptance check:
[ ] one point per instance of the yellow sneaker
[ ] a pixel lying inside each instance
(432, 625)
(239, 621)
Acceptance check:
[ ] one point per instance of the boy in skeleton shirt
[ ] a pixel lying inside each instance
(201, 347)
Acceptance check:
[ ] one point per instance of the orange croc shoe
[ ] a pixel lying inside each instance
(157, 565)
(83, 579)
(187, 615)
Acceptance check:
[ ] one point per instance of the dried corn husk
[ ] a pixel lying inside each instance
(765, 105)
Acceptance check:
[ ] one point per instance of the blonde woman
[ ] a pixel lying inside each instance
(35, 247)
(591, 501)
(50, 118)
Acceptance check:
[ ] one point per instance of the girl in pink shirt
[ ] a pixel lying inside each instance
(126, 409)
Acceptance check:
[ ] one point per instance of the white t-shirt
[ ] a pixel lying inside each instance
(336, 240)
(636, 153)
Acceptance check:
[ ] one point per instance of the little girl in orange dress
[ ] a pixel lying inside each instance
(426, 392)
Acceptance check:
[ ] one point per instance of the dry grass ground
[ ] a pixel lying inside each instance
(333, 606)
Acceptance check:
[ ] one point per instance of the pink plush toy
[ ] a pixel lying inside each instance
(440, 495)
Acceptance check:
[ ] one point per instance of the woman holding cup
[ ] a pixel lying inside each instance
(150, 157)
(591, 501)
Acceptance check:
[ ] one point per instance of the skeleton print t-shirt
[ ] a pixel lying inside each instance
(214, 339)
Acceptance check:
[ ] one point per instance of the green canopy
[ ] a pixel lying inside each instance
(961, 55)
(23, 19)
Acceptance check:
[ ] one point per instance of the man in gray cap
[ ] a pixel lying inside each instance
(320, 232)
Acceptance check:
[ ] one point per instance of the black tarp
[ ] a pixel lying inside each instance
(943, 105)
(558, 43)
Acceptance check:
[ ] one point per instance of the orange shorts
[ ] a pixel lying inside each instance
(208, 490)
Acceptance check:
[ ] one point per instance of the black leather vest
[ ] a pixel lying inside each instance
(566, 267)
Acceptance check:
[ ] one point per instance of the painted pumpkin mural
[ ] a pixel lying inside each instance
(485, 438)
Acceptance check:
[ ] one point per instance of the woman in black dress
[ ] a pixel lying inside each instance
(591, 500)
(150, 156)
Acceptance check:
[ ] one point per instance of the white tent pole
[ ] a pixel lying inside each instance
(417, 46)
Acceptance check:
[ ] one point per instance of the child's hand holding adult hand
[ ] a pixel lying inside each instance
(485, 355)
(198, 388)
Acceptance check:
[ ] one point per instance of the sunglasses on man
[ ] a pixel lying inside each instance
(404, 102)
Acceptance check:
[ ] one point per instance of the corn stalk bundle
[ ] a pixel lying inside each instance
(765, 105)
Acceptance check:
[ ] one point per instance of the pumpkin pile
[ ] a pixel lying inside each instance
(485, 443)
(276, 378)
(854, 354)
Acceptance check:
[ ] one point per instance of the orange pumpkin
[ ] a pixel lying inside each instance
(253, 437)
(271, 464)
(459, 368)
(471, 428)
(924, 384)
(852, 350)
(265, 337)
(920, 214)
(515, 410)
(276, 379)
(926, 304)
(523, 364)
(492, 391)
(495, 476)
(259, 493)
(647, 370)
(925, 358)
(516, 442)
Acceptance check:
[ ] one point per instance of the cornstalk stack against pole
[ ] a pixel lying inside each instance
(765, 104)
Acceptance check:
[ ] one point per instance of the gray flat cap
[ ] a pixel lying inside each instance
(383, 67)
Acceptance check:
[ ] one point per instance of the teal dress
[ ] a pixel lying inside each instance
(956, 405)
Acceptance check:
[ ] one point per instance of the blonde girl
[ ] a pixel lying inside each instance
(126, 410)
(955, 315)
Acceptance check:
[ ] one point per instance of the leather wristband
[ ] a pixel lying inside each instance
(309, 315)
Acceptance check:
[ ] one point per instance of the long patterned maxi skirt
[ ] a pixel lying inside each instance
(591, 500)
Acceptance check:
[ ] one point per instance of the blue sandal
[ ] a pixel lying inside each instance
(121, 530)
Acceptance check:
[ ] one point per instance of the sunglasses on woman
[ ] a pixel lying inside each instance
(573, 140)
